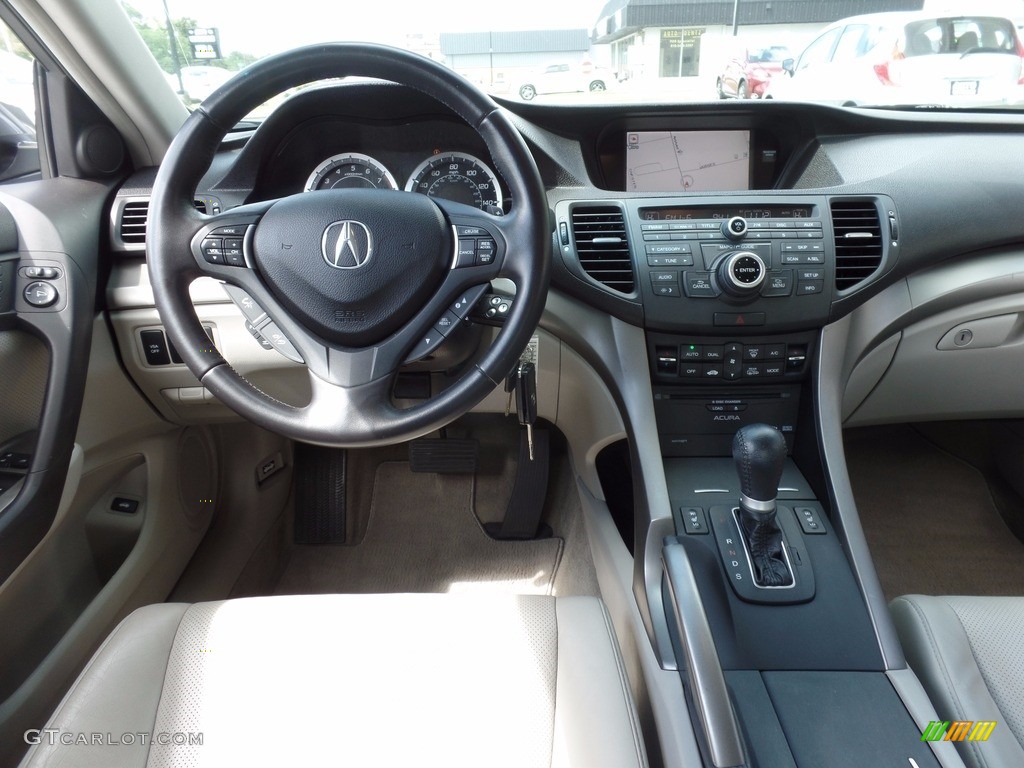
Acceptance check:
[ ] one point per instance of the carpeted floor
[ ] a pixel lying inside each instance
(929, 518)
(422, 536)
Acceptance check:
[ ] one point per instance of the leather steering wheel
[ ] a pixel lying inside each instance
(354, 278)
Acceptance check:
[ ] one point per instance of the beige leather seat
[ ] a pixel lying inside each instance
(969, 654)
(354, 680)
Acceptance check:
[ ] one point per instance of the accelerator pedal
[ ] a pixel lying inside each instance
(319, 494)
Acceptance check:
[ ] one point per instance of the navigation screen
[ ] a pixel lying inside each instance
(687, 161)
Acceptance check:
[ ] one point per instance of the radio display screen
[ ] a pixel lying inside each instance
(687, 161)
(750, 212)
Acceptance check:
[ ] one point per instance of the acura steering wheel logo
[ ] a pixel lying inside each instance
(346, 245)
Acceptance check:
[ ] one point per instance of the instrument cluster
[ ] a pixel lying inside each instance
(455, 176)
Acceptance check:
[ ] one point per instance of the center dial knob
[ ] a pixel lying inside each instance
(741, 273)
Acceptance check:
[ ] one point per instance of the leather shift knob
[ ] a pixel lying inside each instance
(759, 451)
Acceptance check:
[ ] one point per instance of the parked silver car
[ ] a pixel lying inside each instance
(903, 58)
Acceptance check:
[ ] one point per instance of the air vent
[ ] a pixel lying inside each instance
(602, 247)
(134, 218)
(858, 233)
(133, 222)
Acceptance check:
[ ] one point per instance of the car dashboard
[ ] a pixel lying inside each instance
(713, 266)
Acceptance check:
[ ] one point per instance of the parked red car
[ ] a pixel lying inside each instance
(747, 75)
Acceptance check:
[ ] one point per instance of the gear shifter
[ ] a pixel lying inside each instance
(760, 451)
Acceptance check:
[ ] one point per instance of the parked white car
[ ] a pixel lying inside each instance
(907, 58)
(566, 78)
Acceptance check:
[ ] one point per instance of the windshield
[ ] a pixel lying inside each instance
(629, 50)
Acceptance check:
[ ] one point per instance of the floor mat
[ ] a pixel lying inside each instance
(422, 536)
(929, 518)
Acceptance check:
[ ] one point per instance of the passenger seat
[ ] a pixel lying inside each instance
(968, 653)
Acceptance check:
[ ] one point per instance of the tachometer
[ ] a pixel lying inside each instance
(350, 169)
(459, 177)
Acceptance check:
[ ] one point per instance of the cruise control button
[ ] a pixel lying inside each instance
(40, 294)
(466, 255)
(472, 232)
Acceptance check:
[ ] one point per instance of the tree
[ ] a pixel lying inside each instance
(154, 34)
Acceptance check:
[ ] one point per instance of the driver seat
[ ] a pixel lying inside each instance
(353, 680)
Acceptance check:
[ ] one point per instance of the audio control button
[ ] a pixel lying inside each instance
(698, 285)
(741, 273)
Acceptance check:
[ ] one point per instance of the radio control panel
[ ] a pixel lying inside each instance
(760, 264)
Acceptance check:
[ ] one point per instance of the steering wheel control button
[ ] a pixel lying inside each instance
(485, 251)
(40, 295)
(741, 274)
(154, 347)
(280, 342)
(735, 228)
(449, 322)
(233, 252)
(233, 231)
(255, 333)
(213, 250)
(427, 345)
(466, 255)
(251, 311)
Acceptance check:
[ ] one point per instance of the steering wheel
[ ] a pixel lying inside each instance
(356, 279)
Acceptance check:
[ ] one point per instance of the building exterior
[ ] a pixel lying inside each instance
(500, 60)
(651, 39)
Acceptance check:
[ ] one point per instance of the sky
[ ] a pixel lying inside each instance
(249, 26)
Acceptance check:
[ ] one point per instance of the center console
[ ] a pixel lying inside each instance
(768, 622)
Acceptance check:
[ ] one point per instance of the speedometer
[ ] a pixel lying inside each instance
(350, 170)
(459, 177)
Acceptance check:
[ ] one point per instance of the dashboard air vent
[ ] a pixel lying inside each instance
(133, 222)
(135, 216)
(602, 247)
(858, 233)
